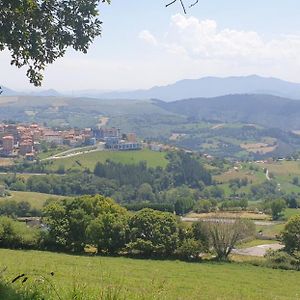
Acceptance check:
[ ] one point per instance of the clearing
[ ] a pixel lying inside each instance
(155, 279)
(89, 160)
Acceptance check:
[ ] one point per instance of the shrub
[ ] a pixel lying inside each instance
(280, 260)
(190, 249)
(290, 235)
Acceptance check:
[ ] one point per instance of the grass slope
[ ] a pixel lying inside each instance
(35, 199)
(89, 160)
(149, 279)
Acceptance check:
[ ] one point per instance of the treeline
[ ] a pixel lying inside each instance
(11, 208)
(96, 222)
(177, 187)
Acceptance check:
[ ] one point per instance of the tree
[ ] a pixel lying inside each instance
(224, 235)
(145, 193)
(277, 207)
(153, 232)
(205, 206)
(55, 218)
(69, 219)
(291, 234)
(295, 181)
(37, 32)
(108, 232)
(190, 249)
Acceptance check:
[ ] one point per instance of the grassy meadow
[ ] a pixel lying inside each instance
(89, 160)
(36, 200)
(151, 279)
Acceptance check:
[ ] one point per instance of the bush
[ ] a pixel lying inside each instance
(281, 260)
(14, 234)
(190, 249)
(290, 235)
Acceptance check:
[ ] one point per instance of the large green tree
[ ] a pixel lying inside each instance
(37, 32)
(291, 234)
(153, 233)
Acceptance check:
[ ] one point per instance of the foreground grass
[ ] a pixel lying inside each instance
(89, 160)
(150, 279)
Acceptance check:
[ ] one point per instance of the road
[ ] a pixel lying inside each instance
(79, 151)
(228, 221)
(260, 250)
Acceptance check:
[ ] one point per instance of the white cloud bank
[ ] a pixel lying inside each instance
(202, 40)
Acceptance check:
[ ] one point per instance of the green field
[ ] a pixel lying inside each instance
(36, 200)
(282, 172)
(89, 160)
(150, 279)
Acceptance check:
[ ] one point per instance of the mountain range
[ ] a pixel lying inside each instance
(188, 88)
(213, 87)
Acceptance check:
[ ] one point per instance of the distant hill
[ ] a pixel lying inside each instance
(266, 110)
(39, 93)
(212, 87)
(8, 92)
(46, 93)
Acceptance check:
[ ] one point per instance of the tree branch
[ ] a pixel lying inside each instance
(182, 4)
(193, 4)
(171, 3)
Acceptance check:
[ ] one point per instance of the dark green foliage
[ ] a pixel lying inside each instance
(12, 208)
(75, 222)
(200, 233)
(156, 206)
(291, 200)
(153, 233)
(187, 170)
(205, 206)
(282, 260)
(267, 189)
(236, 204)
(178, 185)
(290, 235)
(108, 231)
(14, 234)
(38, 32)
(183, 205)
(277, 208)
(190, 249)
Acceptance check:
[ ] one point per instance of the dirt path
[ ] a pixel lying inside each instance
(260, 250)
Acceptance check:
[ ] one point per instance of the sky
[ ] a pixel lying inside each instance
(145, 44)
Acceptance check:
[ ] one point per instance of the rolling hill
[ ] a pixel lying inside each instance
(212, 87)
(266, 110)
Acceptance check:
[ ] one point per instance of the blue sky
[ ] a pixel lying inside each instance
(146, 44)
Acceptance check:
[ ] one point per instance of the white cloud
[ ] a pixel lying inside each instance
(204, 40)
(146, 36)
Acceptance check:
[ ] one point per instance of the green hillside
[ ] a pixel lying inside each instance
(89, 160)
(150, 279)
(281, 172)
(36, 200)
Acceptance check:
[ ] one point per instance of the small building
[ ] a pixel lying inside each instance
(25, 148)
(8, 144)
(30, 156)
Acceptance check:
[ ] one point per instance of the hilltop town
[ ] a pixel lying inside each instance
(27, 140)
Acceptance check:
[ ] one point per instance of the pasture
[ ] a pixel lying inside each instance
(152, 279)
(89, 160)
(36, 200)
